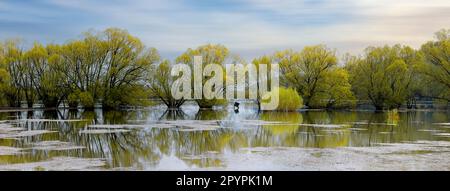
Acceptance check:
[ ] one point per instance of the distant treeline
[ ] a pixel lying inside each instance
(115, 69)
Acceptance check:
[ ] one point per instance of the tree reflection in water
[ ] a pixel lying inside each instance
(173, 114)
(145, 148)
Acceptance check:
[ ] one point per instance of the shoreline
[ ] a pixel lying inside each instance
(16, 109)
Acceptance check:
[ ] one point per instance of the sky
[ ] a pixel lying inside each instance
(249, 28)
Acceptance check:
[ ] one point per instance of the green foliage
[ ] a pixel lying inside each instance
(135, 95)
(159, 84)
(384, 75)
(289, 100)
(263, 60)
(128, 64)
(110, 66)
(313, 72)
(435, 66)
(46, 79)
(4, 78)
(4, 81)
(73, 99)
(114, 68)
(335, 91)
(13, 58)
(86, 99)
(211, 54)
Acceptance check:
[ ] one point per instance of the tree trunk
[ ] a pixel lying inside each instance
(30, 104)
(258, 102)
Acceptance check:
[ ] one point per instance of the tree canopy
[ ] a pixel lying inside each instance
(384, 75)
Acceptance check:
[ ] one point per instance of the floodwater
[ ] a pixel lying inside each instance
(222, 139)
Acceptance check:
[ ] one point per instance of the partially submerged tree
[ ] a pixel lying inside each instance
(128, 63)
(110, 66)
(13, 59)
(384, 75)
(211, 54)
(334, 91)
(4, 78)
(114, 68)
(257, 62)
(160, 84)
(47, 80)
(312, 72)
(436, 65)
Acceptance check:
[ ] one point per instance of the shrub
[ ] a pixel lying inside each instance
(288, 100)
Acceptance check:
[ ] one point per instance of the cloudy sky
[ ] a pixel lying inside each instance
(248, 27)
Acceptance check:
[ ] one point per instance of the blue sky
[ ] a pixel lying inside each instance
(248, 27)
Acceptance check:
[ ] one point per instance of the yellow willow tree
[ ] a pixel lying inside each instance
(263, 60)
(128, 63)
(211, 54)
(267, 62)
(35, 61)
(84, 69)
(160, 83)
(334, 91)
(43, 67)
(111, 66)
(4, 77)
(314, 73)
(384, 75)
(436, 65)
(14, 62)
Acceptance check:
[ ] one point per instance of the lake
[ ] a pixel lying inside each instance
(191, 139)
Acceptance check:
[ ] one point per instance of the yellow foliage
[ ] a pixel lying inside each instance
(289, 100)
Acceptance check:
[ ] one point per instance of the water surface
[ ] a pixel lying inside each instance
(156, 139)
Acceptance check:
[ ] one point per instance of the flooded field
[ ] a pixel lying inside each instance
(222, 139)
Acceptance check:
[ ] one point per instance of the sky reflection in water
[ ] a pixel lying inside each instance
(150, 147)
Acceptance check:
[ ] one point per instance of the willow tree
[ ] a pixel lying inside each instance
(13, 60)
(335, 90)
(211, 54)
(35, 60)
(83, 70)
(384, 75)
(436, 65)
(4, 77)
(160, 83)
(312, 72)
(24, 73)
(110, 66)
(128, 63)
(44, 74)
(257, 62)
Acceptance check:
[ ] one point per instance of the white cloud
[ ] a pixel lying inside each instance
(258, 26)
(380, 22)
